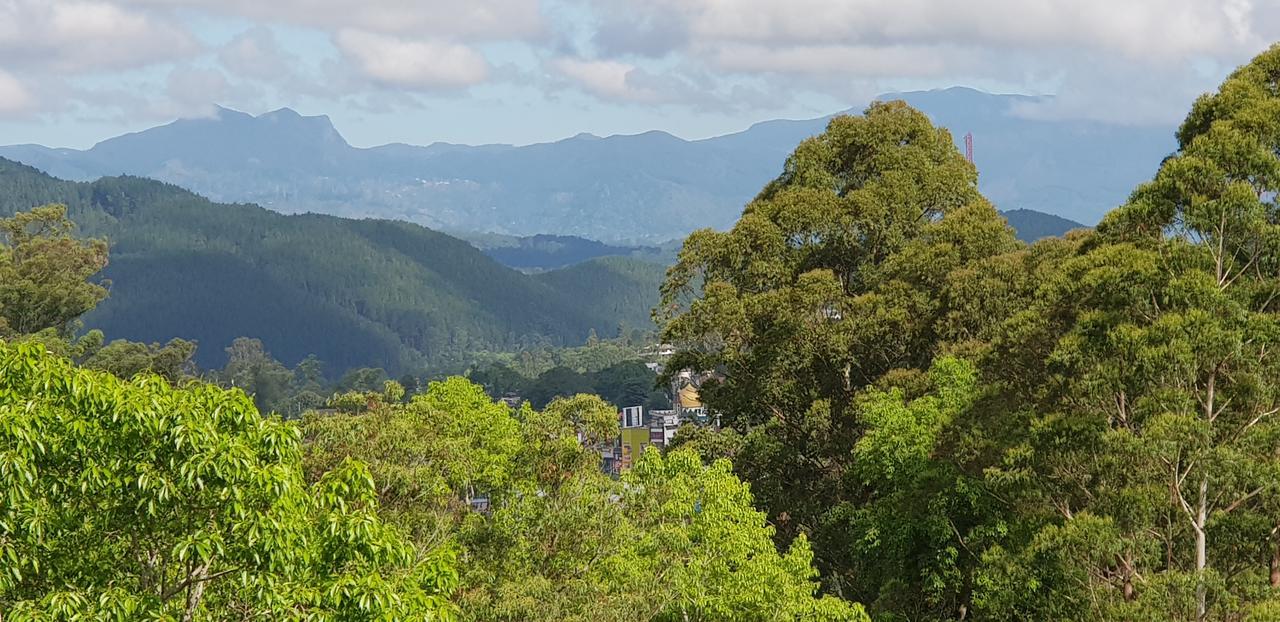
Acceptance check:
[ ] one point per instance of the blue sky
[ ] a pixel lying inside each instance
(73, 72)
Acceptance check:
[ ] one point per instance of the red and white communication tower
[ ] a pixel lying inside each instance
(968, 147)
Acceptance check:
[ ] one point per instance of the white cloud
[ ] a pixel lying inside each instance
(606, 79)
(1108, 59)
(256, 54)
(1105, 51)
(84, 36)
(1152, 30)
(454, 19)
(14, 96)
(194, 92)
(864, 61)
(419, 64)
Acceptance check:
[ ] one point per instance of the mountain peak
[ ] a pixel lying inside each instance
(281, 139)
(222, 113)
(281, 113)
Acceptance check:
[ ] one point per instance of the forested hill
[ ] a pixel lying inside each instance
(1031, 225)
(352, 292)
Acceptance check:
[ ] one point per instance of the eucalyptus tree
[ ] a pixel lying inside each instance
(46, 272)
(872, 253)
(1149, 368)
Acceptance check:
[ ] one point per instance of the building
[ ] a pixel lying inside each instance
(634, 436)
(686, 399)
(640, 429)
(663, 425)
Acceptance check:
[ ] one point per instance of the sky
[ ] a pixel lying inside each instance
(73, 72)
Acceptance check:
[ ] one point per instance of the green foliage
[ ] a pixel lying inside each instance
(45, 272)
(934, 419)
(714, 552)
(252, 369)
(450, 439)
(1081, 429)
(1149, 473)
(629, 345)
(126, 359)
(872, 253)
(559, 540)
(137, 500)
(627, 382)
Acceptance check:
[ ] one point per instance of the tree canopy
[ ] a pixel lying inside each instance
(45, 272)
(1084, 428)
(137, 500)
(673, 540)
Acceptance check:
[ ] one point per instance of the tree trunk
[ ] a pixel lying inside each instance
(195, 592)
(1275, 566)
(1126, 565)
(1202, 512)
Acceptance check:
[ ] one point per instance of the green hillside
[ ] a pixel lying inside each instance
(352, 292)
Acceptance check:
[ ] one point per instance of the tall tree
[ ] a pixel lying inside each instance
(126, 359)
(252, 369)
(853, 266)
(1152, 460)
(45, 272)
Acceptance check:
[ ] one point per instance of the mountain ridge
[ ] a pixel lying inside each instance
(621, 189)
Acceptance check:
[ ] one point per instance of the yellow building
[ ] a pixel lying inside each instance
(634, 440)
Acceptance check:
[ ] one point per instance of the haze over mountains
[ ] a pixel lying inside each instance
(645, 188)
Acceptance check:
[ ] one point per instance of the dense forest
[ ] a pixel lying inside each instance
(1082, 428)
(922, 418)
(354, 293)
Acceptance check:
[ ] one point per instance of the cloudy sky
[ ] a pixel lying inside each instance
(73, 72)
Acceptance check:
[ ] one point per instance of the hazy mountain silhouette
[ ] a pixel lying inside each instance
(648, 187)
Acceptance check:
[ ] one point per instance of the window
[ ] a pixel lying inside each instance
(633, 417)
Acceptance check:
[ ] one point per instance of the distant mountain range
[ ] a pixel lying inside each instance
(538, 253)
(639, 189)
(353, 292)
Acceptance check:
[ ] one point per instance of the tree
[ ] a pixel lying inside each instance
(499, 380)
(45, 272)
(138, 500)
(126, 359)
(1150, 471)
(429, 457)
(252, 369)
(556, 382)
(625, 384)
(557, 539)
(711, 553)
(363, 379)
(855, 267)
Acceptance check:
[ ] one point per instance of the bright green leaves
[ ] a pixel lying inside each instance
(542, 534)
(900, 438)
(137, 500)
(715, 553)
